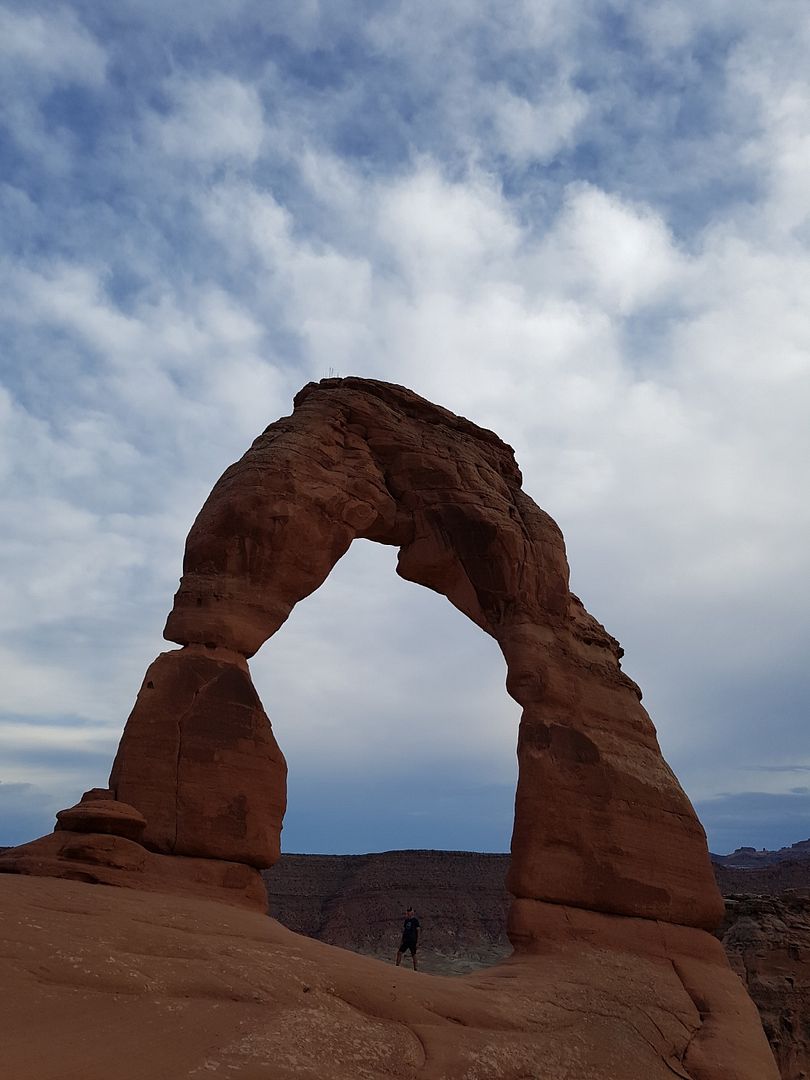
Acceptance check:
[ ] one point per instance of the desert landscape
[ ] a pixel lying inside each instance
(354, 901)
(615, 972)
(495, 317)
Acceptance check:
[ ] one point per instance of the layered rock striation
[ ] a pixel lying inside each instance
(767, 939)
(357, 902)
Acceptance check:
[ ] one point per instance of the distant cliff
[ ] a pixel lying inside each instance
(357, 902)
(767, 939)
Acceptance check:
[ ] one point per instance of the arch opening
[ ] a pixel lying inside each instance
(392, 712)
(400, 740)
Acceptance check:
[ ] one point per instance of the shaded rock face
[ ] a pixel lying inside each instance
(767, 940)
(784, 876)
(199, 760)
(358, 902)
(600, 820)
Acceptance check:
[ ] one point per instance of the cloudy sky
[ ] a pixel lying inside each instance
(586, 226)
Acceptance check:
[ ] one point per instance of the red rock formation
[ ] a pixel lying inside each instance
(199, 760)
(602, 828)
(99, 812)
(356, 901)
(600, 820)
(121, 985)
(107, 859)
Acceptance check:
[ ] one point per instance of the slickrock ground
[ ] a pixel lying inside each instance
(617, 975)
(355, 901)
(103, 983)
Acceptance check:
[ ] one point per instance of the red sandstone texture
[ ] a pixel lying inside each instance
(118, 984)
(356, 901)
(600, 820)
(99, 812)
(609, 870)
(103, 859)
(199, 760)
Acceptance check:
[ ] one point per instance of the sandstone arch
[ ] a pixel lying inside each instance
(610, 870)
(600, 820)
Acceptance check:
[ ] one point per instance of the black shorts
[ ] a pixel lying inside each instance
(408, 945)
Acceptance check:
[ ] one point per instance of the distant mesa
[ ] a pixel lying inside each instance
(606, 846)
(754, 858)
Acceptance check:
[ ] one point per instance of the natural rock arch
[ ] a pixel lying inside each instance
(602, 829)
(600, 820)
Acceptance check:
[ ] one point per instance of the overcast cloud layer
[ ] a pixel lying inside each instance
(585, 226)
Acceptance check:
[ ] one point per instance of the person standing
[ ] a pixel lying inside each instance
(410, 937)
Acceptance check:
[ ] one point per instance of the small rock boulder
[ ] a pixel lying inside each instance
(99, 812)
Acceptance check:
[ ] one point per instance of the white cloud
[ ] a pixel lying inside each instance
(55, 47)
(349, 686)
(440, 232)
(18, 736)
(43, 55)
(779, 147)
(211, 120)
(535, 131)
(38, 687)
(639, 334)
(624, 253)
(70, 296)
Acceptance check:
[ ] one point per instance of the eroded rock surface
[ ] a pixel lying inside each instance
(617, 978)
(129, 985)
(199, 760)
(107, 859)
(98, 812)
(356, 901)
(600, 820)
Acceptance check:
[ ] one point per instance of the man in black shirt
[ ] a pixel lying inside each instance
(410, 937)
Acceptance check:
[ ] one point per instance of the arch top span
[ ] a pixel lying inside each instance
(600, 820)
(365, 459)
